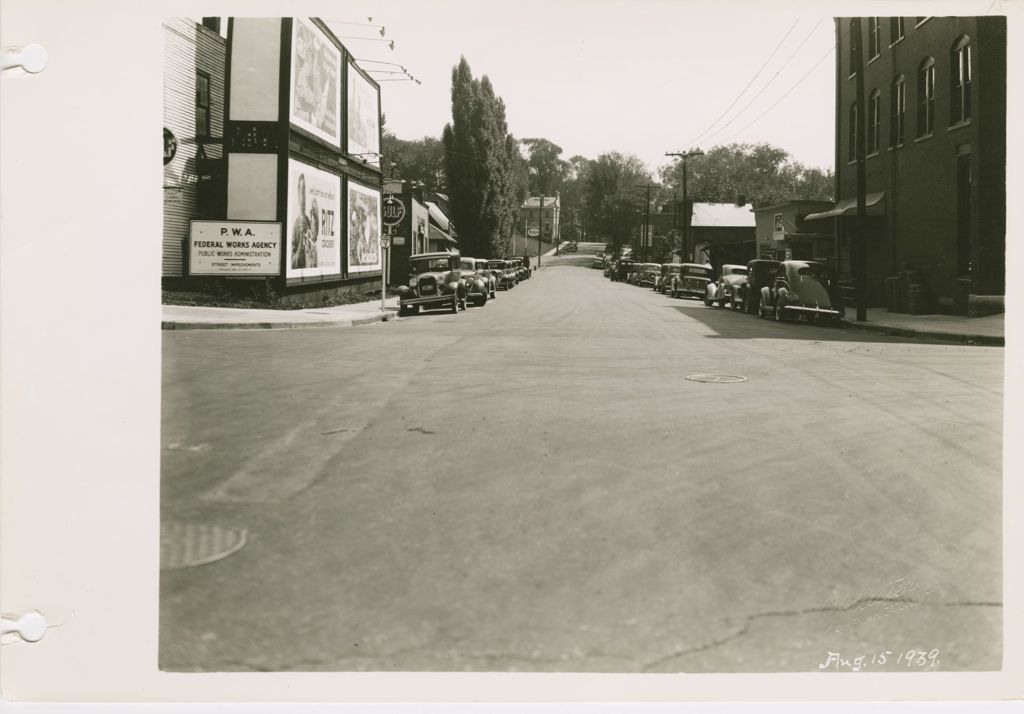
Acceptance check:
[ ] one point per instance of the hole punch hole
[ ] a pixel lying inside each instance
(31, 58)
(31, 627)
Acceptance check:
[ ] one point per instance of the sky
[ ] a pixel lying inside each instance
(644, 77)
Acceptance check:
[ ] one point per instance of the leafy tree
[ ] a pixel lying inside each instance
(761, 174)
(611, 199)
(416, 161)
(480, 165)
(547, 169)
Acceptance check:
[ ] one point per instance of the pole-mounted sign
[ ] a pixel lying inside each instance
(393, 211)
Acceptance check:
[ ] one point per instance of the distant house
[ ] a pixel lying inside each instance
(529, 216)
(721, 233)
(783, 232)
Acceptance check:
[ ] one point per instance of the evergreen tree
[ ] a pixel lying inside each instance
(480, 165)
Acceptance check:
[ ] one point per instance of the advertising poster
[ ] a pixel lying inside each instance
(234, 248)
(363, 117)
(314, 236)
(363, 228)
(315, 82)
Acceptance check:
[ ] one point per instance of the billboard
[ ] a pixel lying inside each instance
(363, 228)
(314, 233)
(363, 117)
(235, 248)
(315, 90)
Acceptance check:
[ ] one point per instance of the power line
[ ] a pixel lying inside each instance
(753, 79)
(788, 92)
(767, 84)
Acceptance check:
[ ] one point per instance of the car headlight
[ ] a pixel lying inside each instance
(413, 282)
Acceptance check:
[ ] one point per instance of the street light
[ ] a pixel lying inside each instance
(686, 208)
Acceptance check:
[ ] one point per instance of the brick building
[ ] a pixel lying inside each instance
(935, 108)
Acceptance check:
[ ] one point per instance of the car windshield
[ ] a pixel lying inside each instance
(429, 265)
(817, 272)
(675, 269)
(737, 271)
(698, 272)
(466, 265)
(495, 264)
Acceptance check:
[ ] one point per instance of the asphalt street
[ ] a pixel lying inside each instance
(535, 485)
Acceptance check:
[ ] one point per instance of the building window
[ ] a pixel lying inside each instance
(926, 98)
(852, 36)
(895, 30)
(960, 81)
(874, 37)
(851, 139)
(897, 112)
(202, 104)
(875, 121)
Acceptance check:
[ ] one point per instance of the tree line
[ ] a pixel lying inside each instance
(487, 174)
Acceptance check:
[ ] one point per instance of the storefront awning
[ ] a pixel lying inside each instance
(873, 202)
(435, 233)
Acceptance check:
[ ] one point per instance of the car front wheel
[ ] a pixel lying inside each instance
(779, 317)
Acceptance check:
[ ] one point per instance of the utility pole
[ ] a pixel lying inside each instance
(540, 230)
(645, 237)
(860, 242)
(686, 206)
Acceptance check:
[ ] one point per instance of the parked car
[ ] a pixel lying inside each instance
(692, 280)
(665, 275)
(598, 261)
(648, 274)
(484, 271)
(521, 268)
(506, 276)
(623, 267)
(435, 282)
(760, 272)
(478, 287)
(804, 289)
(720, 291)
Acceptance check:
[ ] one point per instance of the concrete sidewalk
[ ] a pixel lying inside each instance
(184, 317)
(970, 330)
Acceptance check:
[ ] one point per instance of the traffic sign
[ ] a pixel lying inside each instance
(385, 241)
(532, 232)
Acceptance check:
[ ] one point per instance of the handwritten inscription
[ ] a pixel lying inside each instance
(912, 659)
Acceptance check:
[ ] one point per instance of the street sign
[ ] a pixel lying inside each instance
(532, 232)
(398, 240)
(385, 241)
(393, 211)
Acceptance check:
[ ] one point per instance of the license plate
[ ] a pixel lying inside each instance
(427, 289)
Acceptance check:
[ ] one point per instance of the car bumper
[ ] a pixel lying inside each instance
(814, 311)
(429, 300)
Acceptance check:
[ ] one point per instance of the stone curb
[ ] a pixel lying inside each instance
(986, 340)
(176, 325)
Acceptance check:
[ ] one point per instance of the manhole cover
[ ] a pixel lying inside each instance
(184, 545)
(720, 378)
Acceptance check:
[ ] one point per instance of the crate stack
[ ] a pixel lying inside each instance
(912, 292)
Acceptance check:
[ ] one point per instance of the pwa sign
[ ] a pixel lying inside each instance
(234, 248)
